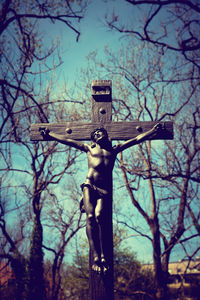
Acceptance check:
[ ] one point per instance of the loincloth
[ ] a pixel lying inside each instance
(97, 193)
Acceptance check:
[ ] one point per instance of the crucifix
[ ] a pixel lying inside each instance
(97, 188)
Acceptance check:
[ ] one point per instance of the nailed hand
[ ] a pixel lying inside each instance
(158, 127)
(44, 131)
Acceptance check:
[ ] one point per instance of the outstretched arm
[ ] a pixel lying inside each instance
(61, 138)
(140, 138)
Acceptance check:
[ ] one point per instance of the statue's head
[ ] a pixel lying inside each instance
(99, 134)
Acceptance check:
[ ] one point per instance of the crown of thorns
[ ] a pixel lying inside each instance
(98, 129)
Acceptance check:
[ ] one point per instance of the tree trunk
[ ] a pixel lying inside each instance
(160, 279)
(36, 284)
(18, 265)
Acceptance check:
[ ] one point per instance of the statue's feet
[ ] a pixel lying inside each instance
(96, 267)
(104, 265)
(100, 266)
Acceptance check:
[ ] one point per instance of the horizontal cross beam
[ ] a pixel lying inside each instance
(116, 130)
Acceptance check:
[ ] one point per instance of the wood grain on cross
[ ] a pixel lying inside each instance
(101, 286)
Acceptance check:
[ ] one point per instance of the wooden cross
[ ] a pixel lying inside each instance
(101, 287)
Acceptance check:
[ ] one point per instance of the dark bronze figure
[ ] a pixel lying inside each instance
(97, 188)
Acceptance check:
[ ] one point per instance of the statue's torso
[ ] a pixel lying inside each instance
(100, 165)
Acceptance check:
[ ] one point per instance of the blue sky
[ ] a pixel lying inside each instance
(94, 35)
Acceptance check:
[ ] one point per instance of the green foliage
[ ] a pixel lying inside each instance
(75, 279)
(129, 277)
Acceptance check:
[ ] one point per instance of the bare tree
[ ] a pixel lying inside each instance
(30, 171)
(162, 181)
(171, 29)
(24, 54)
(41, 171)
(178, 29)
(63, 224)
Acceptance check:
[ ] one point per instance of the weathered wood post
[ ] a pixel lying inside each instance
(101, 286)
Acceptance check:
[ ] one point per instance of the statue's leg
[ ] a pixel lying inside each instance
(99, 214)
(92, 228)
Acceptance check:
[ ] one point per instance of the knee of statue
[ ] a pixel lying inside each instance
(98, 216)
(91, 218)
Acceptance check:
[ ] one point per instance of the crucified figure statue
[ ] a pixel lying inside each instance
(97, 188)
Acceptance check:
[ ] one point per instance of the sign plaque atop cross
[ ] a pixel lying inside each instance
(98, 185)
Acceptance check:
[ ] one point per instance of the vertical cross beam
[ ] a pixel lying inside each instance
(101, 287)
(101, 101)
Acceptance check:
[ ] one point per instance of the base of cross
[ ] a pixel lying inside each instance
(101, 284)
